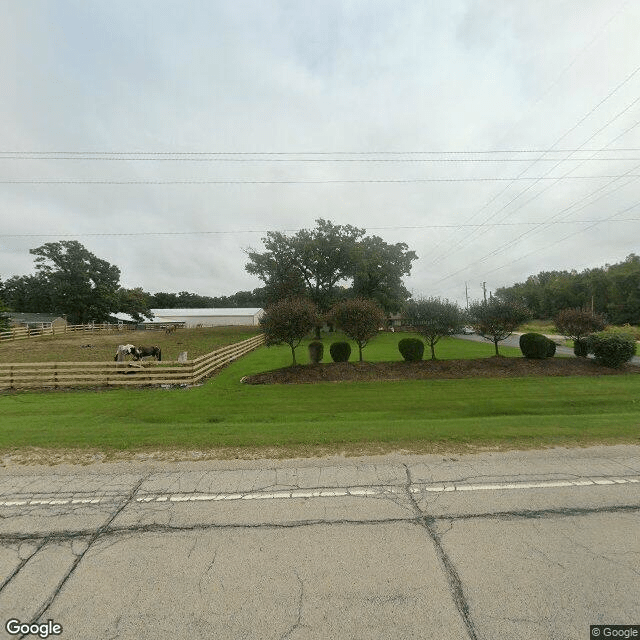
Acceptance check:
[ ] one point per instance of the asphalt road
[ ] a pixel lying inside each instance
(528, 545)
(514, 341)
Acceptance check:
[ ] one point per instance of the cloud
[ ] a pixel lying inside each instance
(354, 76)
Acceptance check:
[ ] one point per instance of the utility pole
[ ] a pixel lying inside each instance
(484, 290)
(466, 294)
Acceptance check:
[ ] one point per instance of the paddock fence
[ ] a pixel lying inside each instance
(21, 333)
(60, 375)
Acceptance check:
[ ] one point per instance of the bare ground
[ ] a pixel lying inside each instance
(495, 367)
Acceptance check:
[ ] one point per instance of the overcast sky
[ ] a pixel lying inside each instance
(266, 115)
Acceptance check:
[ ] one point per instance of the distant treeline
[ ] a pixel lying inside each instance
(186, 300)
(613, 290)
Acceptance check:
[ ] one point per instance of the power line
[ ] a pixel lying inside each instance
(440, 257)
(356, 181)
(310, 153)
(264, 231)
(81, 158)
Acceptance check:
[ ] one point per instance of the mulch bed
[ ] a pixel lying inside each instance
(495, 367)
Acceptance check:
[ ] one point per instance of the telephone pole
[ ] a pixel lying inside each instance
(484, 290)
(466, 294)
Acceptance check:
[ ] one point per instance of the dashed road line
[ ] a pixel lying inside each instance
(336, 492)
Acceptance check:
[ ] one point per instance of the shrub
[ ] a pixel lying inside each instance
(612, 349)
(577, 324)
(412, 349)
(535, 345)
(359, 318)
(316, 351)
(551, 348)
(581, 347)
(340, 351)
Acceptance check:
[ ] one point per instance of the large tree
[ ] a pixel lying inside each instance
(82, 286)
(379, 269)
(319, 263)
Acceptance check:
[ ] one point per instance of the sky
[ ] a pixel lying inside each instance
(496, 138)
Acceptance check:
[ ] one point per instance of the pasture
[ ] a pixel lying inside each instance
(101, 346)
(230, 419)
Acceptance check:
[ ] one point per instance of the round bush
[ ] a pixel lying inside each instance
(316, 351)
(412, 349)
(551, 348)
(340, 351)
(581, 347)
(534, 345)
(612, 350)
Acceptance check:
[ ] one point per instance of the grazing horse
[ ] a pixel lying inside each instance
(124, 350)
(143, 352)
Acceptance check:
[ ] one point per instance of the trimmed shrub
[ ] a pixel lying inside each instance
(316, 351)
(581, 347)
(612, 350)
(551, 348)
(411, 349)
(534, 345)
(340, 351)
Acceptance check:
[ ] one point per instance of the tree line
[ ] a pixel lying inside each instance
(325, 264)
(612, 290)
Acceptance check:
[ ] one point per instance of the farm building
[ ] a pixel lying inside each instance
(202, 317)
(35, 320)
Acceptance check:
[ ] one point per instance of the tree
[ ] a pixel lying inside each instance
(359, 318)
(320, 261)
(30, 294)
(577, 324)
(81, 285)
(288, 322)
(434, 318)
(135, 302)
(379, 269)
(496, 319)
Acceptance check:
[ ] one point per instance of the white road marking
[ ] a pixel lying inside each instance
(337, 492)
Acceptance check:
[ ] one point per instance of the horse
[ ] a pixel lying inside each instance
(124, 350)
(172, 329)
(143, 352)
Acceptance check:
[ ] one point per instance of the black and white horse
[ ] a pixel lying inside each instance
(124, 350)
(143, 352)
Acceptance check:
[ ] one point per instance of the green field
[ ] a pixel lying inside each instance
(416, 415)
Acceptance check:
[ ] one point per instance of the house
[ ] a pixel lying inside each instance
(201, 317)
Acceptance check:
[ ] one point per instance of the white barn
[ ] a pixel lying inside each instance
(207, 317)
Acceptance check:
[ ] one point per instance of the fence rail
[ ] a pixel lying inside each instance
(21, 333)
(59, 375)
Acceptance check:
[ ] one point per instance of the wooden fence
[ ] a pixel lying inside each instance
(20, 333)
(59, 375)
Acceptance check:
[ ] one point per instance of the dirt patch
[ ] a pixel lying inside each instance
(435, 369)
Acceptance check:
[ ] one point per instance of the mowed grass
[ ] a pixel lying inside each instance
(414, 415)
(101, 346)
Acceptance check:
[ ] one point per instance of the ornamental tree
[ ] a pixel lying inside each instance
(496, 319)
(288, 322)
(359, 318)
(434, 318)
(576, 324)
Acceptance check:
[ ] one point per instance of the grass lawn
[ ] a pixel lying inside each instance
(415, 415)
